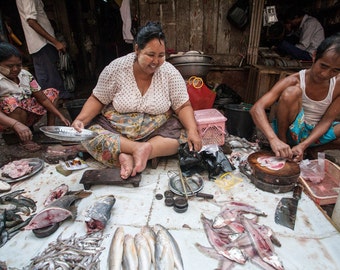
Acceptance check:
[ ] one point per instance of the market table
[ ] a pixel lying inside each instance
(314, 244)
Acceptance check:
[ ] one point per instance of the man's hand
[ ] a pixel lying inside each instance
(280, 148)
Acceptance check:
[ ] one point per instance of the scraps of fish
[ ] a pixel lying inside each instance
(151, 248)
(236, 239)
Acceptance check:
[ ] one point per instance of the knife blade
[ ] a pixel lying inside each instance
(285, 213)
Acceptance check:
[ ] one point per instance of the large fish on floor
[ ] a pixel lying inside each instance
(115, 257)
(98, 214)
(56, 211)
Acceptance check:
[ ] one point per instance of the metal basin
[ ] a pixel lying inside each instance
(193, 69)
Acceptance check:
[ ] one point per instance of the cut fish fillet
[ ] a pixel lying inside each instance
(272, 163)
(47, 217)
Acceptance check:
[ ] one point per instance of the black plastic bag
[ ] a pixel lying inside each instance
(190, 162)
(215, 160)
(211, 159)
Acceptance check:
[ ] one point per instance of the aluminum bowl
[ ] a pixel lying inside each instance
(193, 69)
(69, 134)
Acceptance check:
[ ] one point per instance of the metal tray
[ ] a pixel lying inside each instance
(67, 133)
(196, 184)
(37, 165)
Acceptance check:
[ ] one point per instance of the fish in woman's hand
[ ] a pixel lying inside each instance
(98, 214)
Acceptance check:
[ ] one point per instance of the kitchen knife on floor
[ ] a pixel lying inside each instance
(285, 213)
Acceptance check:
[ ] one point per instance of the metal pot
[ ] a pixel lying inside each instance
(193, 69)
(190, 57)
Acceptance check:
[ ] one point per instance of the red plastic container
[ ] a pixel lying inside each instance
(211, 126)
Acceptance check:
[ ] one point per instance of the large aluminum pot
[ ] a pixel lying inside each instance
(189, 57)
(193, 69)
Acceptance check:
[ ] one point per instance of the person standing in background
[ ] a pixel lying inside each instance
(304, 35)
(42, 45)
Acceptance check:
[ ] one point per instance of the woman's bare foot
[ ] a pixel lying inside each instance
(141, 156)
(126, 165)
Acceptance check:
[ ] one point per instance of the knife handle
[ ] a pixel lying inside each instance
(297, 192)
(204, 195)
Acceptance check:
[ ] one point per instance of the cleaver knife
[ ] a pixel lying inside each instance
(285, 213)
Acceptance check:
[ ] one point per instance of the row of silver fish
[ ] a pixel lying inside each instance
(151, 248)
(70, 253)
(235, 238)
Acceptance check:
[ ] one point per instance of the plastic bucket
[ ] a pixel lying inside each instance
(240, 122)
(74, 107)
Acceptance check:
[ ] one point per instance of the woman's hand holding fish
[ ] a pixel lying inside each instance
(78, 125)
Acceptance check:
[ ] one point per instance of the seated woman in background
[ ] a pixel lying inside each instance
(308, 103)
(136, 97)
(22, 103)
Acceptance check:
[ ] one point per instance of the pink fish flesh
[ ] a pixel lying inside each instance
(99, 213)
(272, 163)
(47, 217)
(56, 211)
(261, 245)
(233, 253)
(56, 193)
(16, 169)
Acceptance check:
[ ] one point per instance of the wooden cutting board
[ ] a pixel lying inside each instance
(287, 175)
(109, 176)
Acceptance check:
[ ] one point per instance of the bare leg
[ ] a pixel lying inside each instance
(288, 107)
(51, 116)
(162, 147)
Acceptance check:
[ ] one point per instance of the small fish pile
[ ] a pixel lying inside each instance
(151, 248)
(98, 214)
(234, 238)
(71, 253)
(13, 206)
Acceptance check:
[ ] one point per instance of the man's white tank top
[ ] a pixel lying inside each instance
(314, 110)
